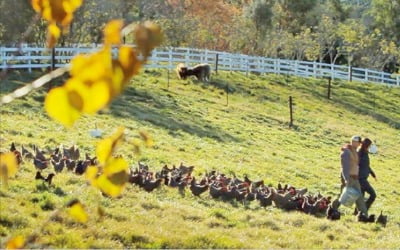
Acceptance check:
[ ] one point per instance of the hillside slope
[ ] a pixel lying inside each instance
(192, 123)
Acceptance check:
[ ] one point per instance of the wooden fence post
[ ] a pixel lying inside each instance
(168, 80)
(291, 104)
(29, 62)
(216, 63)
(53, 58)
(350, 73)
(329, 87)
(247, 66)
(227, 93)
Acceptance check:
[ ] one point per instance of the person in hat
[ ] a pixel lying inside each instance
(365, 170)
(350, 169)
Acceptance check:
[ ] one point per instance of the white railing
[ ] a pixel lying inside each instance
(39, 57)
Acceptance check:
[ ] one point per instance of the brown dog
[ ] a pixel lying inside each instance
(201, 71)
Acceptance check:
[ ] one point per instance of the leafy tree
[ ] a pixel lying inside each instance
(293, 15)
(244, 37)
(383, 54)
(353, 40)
(326, 35)
(386, 17)
(14, 26)
(260, 12)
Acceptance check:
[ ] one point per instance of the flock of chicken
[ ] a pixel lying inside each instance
(60, 158)
(218, 185)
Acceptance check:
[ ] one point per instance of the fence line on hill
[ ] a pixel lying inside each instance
(29, 57)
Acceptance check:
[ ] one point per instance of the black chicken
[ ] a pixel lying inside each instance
(39, 154)
(197, 188)
(25, 153)
(70, 164)
(310, 208)
(72, 153)
(150, 185)
(48, 179)
(81, 167)
(58, 166)
(265, 199)
(136, 178)
(382, 219)
(216, 191)
(332, 213)
(40, 164)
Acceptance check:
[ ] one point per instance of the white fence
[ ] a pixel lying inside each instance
(38, 57)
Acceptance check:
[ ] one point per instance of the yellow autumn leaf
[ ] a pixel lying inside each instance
(127, 58)
(72, 5)
(60, 11)
(136, 145)
(93, 67)
(108, 187)
(37, 5)
(17, 242)
(8, 166)
(54, 30)
(106, 147)
(53, 33)
(99, 97)
(88, 99)
(77, 211)
(148, 140)
(115, 165)
(58, 106)
(100, 212)
(91, 174)
(117, 81)
(56, 12)
(147, 36)
(104, 150)
(119, 178)
(112, 32)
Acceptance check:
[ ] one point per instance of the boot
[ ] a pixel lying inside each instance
(362, 217)
(371, 218)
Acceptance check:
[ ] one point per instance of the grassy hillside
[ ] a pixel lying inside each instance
(192, 123)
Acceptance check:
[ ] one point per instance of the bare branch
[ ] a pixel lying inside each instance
(34, 85)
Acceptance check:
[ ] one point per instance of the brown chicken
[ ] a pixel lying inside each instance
(17, 154)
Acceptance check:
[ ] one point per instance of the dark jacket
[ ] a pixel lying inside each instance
(364, 167)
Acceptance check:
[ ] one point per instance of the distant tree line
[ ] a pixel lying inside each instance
(361, 33)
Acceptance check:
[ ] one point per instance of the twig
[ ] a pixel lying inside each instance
(34, 85)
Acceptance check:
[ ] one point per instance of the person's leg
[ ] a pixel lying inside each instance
(342, 184)
(360, 203)
(366, 187)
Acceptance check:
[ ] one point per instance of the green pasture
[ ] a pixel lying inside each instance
(194, 123)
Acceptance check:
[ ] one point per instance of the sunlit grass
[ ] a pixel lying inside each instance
(192, 123)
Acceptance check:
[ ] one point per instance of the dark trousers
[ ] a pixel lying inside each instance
(367, 188)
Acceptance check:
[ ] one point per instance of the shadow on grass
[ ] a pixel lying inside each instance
(366, 105)
(227, 86)
(165, 113)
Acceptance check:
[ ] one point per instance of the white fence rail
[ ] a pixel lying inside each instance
(38, 57)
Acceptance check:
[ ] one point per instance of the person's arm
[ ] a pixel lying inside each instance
(345, 160)
(372, 173)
